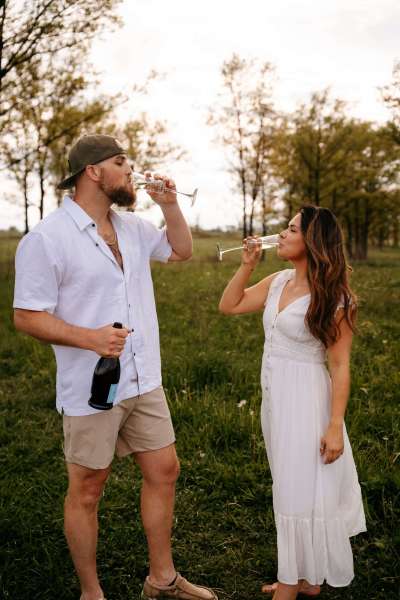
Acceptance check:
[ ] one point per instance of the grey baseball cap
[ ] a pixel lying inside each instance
(89, 150)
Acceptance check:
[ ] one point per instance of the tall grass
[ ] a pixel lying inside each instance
(224, 533)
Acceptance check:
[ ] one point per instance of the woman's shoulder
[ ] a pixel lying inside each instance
(273, 281)
(280, 276)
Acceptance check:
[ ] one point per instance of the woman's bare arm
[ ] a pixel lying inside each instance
(339, 368)
(236, 298)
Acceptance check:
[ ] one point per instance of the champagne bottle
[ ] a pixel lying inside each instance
(105, 381)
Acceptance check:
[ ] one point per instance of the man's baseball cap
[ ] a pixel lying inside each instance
(89, 150)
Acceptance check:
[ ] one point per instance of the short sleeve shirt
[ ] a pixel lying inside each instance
(64, 267)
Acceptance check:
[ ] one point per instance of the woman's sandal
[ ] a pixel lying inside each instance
(271, 589)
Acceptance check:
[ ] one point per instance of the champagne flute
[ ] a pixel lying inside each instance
(157, 186)
(266, 242)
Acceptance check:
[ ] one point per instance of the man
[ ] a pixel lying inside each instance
(79, 270)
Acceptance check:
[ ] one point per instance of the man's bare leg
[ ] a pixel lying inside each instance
(80, 524)
(160, 469)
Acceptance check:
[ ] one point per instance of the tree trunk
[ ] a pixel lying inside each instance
(357, 231)
(349, 239)
(2, 20)
(243, 182)
(396, 227)
(264, 212)
(381, 237)
(334, 201)
(251, 218)
(42, 191)
(365, 231)
(317, 175)
(26, 201)
(244, 226)
(290, 210)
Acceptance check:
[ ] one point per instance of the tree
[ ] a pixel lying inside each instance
(312, 150)
(21, 172)
(376, 197)
(35, 33)
(246, 121)
(146, 143)
(324, 158)
(54, 115)
(40, 43)
(391, 97)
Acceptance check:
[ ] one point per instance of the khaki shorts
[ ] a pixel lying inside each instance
(138, 424)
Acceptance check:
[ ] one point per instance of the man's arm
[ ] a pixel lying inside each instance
(178, 232)
(105, 341)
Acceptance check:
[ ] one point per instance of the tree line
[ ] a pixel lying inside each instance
(277, 161)
(317, 154)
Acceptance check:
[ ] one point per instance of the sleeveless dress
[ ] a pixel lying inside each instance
(317, 506)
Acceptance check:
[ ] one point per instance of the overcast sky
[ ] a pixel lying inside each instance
(349, 45)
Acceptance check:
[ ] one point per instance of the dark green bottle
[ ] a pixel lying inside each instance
(105, 381)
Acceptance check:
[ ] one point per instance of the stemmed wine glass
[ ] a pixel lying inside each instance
(266, 242)
(157, 186)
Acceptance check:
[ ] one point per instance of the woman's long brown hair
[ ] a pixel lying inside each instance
(327, 272)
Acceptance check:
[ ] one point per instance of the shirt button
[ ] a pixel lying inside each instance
(93, 225)
(96, 244)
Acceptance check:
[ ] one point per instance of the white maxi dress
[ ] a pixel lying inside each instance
(317, 506)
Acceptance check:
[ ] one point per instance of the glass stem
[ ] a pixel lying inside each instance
(232, 249)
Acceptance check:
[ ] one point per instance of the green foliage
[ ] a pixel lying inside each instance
(44, 73)
(224, 532)
(317, 154)
(325, 158)
(33, 34)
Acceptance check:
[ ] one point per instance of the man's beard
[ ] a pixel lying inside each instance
(120, 196)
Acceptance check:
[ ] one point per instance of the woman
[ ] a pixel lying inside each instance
(309, 315)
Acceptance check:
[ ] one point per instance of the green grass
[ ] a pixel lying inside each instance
(224, 533)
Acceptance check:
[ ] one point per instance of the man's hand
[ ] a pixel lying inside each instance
(332, 444)
(109, 341)
(165, 197)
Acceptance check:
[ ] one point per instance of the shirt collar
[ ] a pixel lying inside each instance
(80, 217)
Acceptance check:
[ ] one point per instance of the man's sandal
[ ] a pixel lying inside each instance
(181, 589)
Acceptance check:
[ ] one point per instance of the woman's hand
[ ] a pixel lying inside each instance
(332, 444)
(251, 252)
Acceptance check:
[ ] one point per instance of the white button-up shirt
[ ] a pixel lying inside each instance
(64, 267)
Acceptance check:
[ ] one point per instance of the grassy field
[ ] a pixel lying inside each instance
(224, 533)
